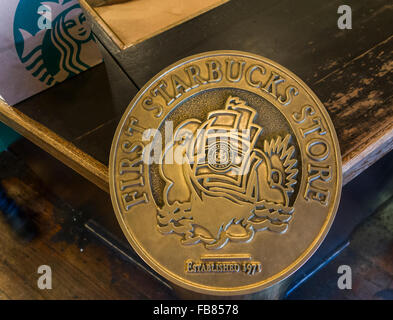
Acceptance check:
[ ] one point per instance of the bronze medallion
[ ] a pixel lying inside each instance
(225, 173)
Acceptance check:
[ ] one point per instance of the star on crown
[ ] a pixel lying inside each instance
(31, 41)
(57, 7)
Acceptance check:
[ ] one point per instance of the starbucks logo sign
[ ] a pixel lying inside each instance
(53, 39)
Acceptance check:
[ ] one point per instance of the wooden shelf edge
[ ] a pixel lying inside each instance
(55, 145)
(100, 23)
(353, 163)
(368, 153)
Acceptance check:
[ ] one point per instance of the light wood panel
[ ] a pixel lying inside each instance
(131, 22)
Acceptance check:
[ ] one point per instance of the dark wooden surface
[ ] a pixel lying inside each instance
(369, 254)
(97, 272)
(82, 268)
(361, 199)
(300, 35)
(81, 105)
(350, 70)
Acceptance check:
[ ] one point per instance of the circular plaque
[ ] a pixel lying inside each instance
(225, 173)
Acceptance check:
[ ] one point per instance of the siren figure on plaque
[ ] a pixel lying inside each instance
(249, 188)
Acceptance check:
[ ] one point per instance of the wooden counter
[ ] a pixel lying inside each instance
(349, 70)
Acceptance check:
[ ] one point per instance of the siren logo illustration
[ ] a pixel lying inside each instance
(56, 53)
(228, 189)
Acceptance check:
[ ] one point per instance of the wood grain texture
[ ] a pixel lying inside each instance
(300, 35)
(350, 70)
(81, 267)
(323, 55)
(147, 18)
(359, 99)
(368, 277)
(357, 96)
